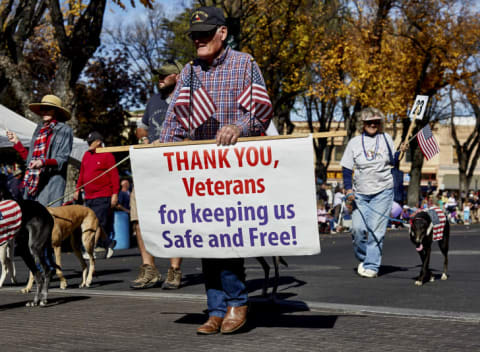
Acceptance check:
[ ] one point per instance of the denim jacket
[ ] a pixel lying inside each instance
(53, 179)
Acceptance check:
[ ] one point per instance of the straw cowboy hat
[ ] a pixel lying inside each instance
(51, 101)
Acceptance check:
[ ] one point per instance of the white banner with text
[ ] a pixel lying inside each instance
(255, 198)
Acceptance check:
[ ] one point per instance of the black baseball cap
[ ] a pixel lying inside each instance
(93, 136)
(207, 18)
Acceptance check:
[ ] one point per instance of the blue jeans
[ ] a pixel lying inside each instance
(225, 284)
(369, 226)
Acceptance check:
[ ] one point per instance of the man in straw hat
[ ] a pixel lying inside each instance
(224, 79)
(47, 157)
(148, 131)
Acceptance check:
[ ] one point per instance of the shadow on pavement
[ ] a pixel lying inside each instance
(192, 280)
(267, 313)
(388, 269)
(291, 281)
(51, 302)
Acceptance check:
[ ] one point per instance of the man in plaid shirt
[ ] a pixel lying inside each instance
(224, 74)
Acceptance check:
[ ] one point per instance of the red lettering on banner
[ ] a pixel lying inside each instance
(222, 158)
(252, 156)
(196, 162)
(215, 158)
(222, 187)
(239, 153)
(181, 160)
(169, 160)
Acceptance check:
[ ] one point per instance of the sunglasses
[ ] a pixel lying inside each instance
(373, 122)
(202, 35)
(44, 109)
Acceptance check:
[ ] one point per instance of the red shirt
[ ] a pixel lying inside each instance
(94, 164)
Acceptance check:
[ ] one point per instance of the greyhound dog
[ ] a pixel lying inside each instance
(422, 236)
(82, 226)
(266, 270)
(33, 241)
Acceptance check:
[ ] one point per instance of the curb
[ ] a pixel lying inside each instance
(338, 308)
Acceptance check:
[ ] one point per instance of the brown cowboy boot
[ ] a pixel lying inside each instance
(211, 326)
(235, 318)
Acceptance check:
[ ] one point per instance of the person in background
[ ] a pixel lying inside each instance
(224, 74)
(124, 197)
(371, 193)
(466, 213)
(100, 195)
(328, 190)
(323, 224)
(47, 158)
(322, 193)
(148, 131)
(14, 179)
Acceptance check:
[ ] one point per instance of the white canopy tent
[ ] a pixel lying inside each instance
(24, 129)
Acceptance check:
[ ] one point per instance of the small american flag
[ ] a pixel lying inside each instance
(202, 108)
(427, 142)
(261, 106)
(438, 220)
(10, 219)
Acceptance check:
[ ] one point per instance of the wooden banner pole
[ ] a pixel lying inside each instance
(407, 138)
(126, 148)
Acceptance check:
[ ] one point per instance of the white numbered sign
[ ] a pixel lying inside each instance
(419, 107)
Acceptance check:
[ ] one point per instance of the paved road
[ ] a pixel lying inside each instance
(323, 305)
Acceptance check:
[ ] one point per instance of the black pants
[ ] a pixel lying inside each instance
(104, 213)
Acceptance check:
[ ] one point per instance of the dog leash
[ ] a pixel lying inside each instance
(384, 216)
(86, 183)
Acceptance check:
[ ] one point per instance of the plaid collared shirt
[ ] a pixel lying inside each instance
(224, 80)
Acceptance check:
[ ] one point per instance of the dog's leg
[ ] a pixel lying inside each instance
(88, 240)
(276, 262)
(29, 285)
(11, 263)
(421, 276)
(34, 273)
(429, 272)
(58, 259)
(266, 271)
(3, 260)
(443, 244)
(75, 242)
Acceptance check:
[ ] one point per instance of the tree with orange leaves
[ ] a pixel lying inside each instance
(68, 32)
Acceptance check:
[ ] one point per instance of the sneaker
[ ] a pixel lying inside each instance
(174, 277)
(99, 249)
(369, 273)
(110, 249)
(141, 272)
(87, 257)
(150, 278)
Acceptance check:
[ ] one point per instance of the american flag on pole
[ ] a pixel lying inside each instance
(427, 142)
(10, 219)
(202, 105)
(261, 107)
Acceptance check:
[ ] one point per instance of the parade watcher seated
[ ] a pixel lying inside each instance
(322, 214)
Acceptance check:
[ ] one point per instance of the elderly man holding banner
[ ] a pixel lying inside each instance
(211, 101)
